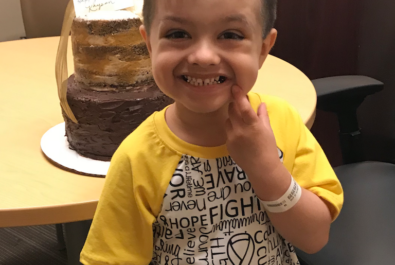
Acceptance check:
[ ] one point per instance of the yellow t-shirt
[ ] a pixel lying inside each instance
(169, 202)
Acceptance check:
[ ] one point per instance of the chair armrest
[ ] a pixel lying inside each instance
(349, 86)
(339, 92)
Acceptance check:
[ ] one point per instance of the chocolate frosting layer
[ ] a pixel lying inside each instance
(105, 119)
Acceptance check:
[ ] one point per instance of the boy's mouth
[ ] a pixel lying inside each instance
(204, 82)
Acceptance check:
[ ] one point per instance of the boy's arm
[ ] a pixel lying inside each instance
(252, 145)
(307, 224)
(121, 231)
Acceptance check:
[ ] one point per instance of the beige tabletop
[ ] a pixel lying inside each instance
(35, 192)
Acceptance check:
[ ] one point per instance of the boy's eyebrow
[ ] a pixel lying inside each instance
(177, 19)
(236, 18)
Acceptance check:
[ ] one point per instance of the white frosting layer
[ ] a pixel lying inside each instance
(109, 15)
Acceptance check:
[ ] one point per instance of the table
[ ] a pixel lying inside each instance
(35, 192)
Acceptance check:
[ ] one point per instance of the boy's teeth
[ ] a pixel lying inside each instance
(202, 82)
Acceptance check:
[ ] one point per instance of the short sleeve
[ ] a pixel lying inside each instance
(121, 231)
(312, 170)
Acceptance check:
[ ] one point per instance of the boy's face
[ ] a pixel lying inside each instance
(195, 42)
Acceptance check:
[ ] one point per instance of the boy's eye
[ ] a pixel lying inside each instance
(231, 36)
(177, 35)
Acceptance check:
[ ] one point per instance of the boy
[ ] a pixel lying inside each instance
(222, 176)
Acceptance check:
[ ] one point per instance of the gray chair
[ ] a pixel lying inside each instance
(364, 233)
(43, 18)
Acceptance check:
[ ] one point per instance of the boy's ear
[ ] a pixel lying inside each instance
(145, 36)
(267, 45)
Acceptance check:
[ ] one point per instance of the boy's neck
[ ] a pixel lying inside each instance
(202, 129)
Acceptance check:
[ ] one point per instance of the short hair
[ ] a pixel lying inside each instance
(268, 15)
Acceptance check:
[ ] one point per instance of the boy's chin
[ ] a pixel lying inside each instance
(207, 108)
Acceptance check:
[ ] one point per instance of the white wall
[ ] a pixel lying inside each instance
(11, 22)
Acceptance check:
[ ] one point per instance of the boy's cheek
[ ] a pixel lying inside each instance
(246, 69)
(161, 71)
(163, 63)
(165, 82)
(246, 79)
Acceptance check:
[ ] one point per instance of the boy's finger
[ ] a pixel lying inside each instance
(234, 115)
(228, 126)
(243, 105)
(263, 114)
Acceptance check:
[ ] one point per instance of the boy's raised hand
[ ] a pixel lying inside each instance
(252, 145)
(250, 139)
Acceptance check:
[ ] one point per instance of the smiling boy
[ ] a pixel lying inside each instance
(223, 175)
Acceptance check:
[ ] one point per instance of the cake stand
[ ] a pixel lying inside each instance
(55, 146)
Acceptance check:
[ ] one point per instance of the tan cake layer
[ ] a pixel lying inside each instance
(87, 34)
(102, 83)
(110, 55)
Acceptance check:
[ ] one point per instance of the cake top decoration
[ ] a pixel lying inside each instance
(109, 15)
(137, 8)
(85, 7)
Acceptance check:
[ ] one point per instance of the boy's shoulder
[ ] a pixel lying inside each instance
(278, 108)
(142, 139)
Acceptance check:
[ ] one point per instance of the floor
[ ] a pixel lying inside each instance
(34, 245)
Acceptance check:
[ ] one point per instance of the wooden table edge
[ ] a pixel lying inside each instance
(54, 214)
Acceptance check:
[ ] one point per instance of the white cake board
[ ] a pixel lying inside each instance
(55, 146)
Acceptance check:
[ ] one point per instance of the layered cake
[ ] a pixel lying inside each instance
(112, 90)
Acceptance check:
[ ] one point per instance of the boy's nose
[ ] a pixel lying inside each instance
(204, 54)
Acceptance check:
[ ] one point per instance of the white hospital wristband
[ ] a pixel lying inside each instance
(287, 201)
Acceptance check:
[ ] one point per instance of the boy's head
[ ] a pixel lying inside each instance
(201, 48)
(268, 13)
